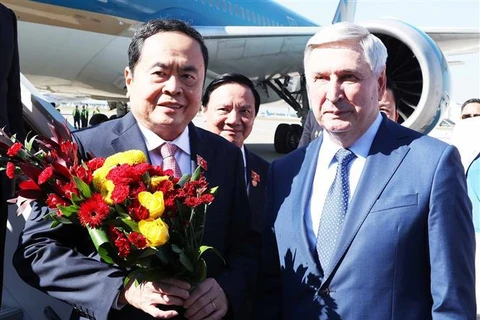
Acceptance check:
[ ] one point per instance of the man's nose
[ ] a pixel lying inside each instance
(172, 85)
(233, 117)
(334, 91)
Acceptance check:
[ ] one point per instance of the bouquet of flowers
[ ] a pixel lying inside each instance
(138, 216)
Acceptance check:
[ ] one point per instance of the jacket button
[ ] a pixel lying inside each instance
(325, 292)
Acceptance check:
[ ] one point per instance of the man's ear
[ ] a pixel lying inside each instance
(382, 84)
(128, 79)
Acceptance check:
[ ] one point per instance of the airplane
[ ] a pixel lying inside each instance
(78, 49)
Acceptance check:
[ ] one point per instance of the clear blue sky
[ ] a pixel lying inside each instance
(465, 78)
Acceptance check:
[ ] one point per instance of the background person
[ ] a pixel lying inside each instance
(229, 105)
(76, 118)
(167, 64)
(470, 108)
(11, 115)
(349, 233)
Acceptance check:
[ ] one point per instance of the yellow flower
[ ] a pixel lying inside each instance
(153, 202)
(156, 231)
(155, 180)
(127, 157)
(100, 181)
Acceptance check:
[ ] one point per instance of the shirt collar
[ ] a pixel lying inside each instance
(153, 141)
(361, 147)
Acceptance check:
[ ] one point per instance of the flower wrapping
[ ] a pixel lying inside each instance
(138, 216)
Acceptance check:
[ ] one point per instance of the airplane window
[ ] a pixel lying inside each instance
(268, 22)
(236, 11)
(254, 18)
(218, 4)
(210, 2)
(231, 7)
(248, 15)
(264, 21)
(224, 5)
(243, 13)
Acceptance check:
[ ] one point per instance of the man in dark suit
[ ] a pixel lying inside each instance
(385, 231)
(11, 116)
(311, 130)
(166, 72)
(229, 105)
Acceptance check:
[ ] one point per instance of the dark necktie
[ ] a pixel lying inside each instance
(167, 150)
(334, 210)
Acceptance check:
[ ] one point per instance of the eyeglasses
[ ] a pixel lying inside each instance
(472, 115)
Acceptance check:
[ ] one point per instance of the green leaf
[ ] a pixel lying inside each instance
(184, 179)
(204, 249)
(131, 224)
(68, 211)
(76, 199)
(176, 248)
(83, 187)
(186, 261)
(196, 173)
(29, 143)
(121, 210)
(100, 240)
(214, 190)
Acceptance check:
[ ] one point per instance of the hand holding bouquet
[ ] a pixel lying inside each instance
(138, 216)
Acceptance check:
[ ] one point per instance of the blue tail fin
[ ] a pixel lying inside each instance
(345, 11)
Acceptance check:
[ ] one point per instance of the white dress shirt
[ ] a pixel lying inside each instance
(325, 174)
(182, 155)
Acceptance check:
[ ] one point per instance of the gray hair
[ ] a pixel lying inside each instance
(374, 50)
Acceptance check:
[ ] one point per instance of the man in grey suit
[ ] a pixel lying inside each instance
(371, 220)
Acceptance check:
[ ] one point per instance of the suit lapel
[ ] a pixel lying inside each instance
(301, 189)
(385, 155)
(128, 134)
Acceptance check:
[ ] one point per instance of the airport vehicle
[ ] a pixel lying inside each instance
(79, 48)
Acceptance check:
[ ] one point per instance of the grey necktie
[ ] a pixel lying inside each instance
(334, 210)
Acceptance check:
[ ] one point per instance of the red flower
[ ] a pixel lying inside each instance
(138, 212)
(13, 150)
(93, 211)
(120, 193)
(45, 175)
(120, 241)
(54, 200)
(138, 240)
(95, 163)
(202, 162)
(10, 170)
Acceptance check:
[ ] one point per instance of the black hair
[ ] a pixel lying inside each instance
(473, 100)
(155, 26)
(231, 78)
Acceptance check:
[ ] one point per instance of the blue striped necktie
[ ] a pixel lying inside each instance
(334, 210)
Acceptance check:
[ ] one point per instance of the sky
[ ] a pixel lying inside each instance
(465, 78)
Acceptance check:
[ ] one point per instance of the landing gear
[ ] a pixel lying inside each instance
(287, 136)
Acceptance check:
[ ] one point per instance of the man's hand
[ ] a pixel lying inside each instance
(208, 301)
(147, 295)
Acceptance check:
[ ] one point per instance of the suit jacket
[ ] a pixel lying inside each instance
(473, 184)
(63, 262)
(311, 130)
(257, 173)
(407, 248)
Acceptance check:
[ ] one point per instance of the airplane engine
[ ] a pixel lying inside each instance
(418, 70)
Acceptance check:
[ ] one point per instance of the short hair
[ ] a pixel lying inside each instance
(374, 50)
(98, 118)
(473, 100)
(155, 26)
(231, 78)
(396, 95)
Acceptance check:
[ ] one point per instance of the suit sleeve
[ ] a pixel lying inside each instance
(61, 262)
(267, 305)
(451, 241)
